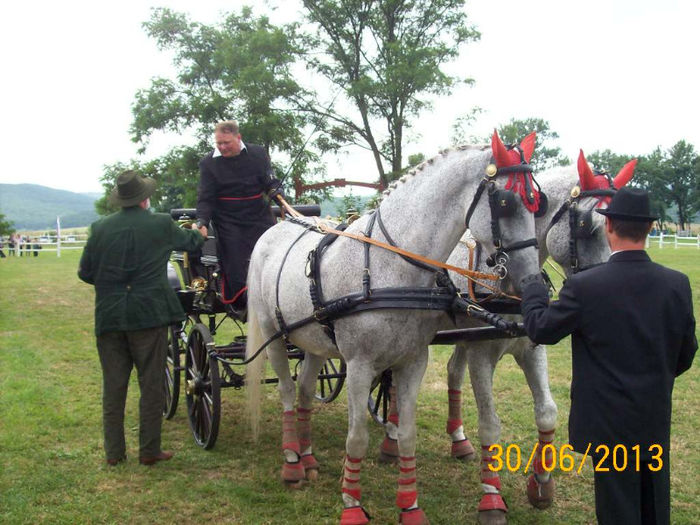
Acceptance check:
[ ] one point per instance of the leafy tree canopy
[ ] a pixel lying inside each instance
(386, 57)
(672, 178)
(546, 154)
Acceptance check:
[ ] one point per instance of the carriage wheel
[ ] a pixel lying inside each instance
(378, 400)
(172, 370)
(202, 387)
(330, 386)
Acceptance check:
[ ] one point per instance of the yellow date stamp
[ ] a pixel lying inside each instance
(617, 458)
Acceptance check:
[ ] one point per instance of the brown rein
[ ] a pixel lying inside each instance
(470, 274)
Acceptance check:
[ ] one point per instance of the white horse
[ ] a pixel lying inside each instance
(425, 214)
(590, 248)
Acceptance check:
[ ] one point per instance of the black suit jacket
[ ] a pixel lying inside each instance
(633, 331)
(235, 189)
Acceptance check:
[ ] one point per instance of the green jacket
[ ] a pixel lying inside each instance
(126, 259)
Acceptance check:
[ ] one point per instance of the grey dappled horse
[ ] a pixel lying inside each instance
(591, 248)
(423, 213)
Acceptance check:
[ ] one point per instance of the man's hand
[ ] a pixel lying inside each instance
(202, 229)
(274, 193)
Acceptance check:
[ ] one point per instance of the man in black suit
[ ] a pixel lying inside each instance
(235, 189)
(633, 333)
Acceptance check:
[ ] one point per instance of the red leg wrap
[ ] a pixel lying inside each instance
(494, 481)
(351, 477)
(452, 425)
(309, 462)
(354, 516)
(406, 495)
(413, 517)
(289, 432)
(304, 428)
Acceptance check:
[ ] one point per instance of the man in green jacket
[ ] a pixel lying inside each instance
(125, 258)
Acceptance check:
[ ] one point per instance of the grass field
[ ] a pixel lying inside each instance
(52, 465)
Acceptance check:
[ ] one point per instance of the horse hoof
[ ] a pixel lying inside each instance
(386, 459)
(354, 516)
(492, 517)
(463, 450)
(540, 495)
(413, 517)
(311, 474)
(295, 485)
(388, 451)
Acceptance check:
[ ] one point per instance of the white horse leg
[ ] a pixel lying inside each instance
(456, 368)
(306, 383)
(540, 485)
(482, 363)
(407, 380)
(292, 469)
(359, 381)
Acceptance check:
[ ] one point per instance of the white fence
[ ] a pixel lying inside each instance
(34, 246)
(665, 239)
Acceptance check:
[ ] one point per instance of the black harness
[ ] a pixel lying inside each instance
(580, 222)
(444, 296)
(502, 203)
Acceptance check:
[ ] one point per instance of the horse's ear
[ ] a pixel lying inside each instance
(500, 153)
(528, 145)
(585, 175)
(625, 174)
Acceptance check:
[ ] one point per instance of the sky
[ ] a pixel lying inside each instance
(606, 74)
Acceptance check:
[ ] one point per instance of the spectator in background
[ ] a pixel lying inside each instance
(36, 247)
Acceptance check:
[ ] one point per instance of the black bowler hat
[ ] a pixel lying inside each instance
(629, 204)
(131, 189)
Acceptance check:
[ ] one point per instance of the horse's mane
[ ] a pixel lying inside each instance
(420, 167)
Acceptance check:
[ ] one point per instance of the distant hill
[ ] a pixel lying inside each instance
(34, 207)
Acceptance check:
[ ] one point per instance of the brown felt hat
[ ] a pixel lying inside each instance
(131, 189)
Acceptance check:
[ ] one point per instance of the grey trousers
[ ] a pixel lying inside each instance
(119, 353)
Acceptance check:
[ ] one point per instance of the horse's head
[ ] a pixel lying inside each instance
(501, 216)
(576, 240)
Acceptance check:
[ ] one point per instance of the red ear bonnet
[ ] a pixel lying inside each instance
(518, 182)
(528, 145)
(500, 153)
(585, 175)
(625, 174)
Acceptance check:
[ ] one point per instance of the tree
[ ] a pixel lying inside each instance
(682, 178)
(386, 57)
(6, 227)
(238, 69)
(546, 154)
(671, 177)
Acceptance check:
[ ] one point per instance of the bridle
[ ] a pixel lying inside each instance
(580, 222)
(502, 203)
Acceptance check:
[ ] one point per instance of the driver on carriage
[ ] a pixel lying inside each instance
(235, 189)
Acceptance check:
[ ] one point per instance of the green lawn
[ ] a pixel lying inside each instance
(51, 460)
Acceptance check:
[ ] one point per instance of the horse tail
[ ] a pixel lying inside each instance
(254, 371)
